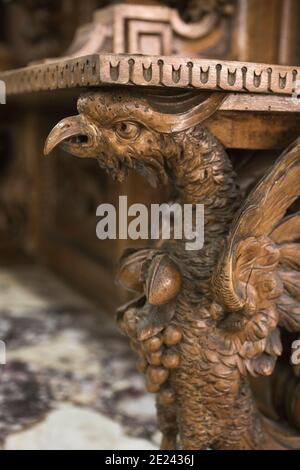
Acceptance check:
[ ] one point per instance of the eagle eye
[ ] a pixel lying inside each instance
(127, 130)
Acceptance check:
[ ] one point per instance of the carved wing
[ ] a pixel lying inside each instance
(256, 283)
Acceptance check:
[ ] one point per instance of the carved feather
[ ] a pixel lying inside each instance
(257, 280)
(288, 230)
(290, 255)
(267, 203)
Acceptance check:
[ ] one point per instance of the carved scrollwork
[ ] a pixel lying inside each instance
(193, 11)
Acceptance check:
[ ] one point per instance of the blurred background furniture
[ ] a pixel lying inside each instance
(47, 207)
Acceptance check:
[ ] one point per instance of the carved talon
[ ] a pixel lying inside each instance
(152, 272)
(163, 282)
(130, 321)
(130, 272)
(151, 323)
(126, 313)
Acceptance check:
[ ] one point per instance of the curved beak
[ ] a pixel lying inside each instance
(73, 134)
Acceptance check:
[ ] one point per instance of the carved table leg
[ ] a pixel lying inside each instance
(208, 318)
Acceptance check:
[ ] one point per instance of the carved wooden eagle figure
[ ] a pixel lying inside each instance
(209, 325)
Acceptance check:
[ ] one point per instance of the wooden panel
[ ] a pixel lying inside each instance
(258, 30)
(83, 272)
(254, 130)
(289, 52)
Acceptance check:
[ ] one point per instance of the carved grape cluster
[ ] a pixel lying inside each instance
(157, 357)
(147, 320)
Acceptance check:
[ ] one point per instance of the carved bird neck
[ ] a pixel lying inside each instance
(208, 405)
(202, 174)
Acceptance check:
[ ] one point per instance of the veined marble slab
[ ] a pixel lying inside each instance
(70, 380)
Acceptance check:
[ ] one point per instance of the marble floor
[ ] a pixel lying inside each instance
(69, 381)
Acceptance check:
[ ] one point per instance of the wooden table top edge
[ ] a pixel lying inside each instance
(241, 80)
